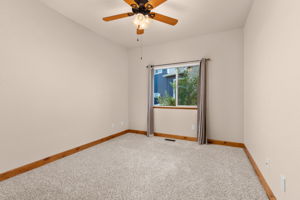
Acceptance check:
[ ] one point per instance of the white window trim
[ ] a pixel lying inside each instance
(188, 64)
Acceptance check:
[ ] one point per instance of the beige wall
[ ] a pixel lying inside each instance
(61, 85)
(225, 85)
(272, 92)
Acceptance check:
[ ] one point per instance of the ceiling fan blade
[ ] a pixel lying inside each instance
(163, 18)
(132, 3)
(140, 31)
(115, 17)
(154, 3)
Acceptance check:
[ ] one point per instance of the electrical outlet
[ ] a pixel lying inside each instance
(113, 125)
(122, 123)
(283, 183)
(193, 127)
(268, 163)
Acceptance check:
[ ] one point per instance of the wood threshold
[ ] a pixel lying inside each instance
(175, 108)
(39, 163)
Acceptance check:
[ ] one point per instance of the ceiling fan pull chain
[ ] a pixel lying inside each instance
(140, 40)
(142, 48)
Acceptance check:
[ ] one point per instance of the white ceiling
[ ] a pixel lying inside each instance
(195, 17)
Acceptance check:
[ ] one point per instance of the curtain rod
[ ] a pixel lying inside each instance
(207, 59)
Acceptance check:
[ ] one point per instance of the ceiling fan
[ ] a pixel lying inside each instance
(142, 9)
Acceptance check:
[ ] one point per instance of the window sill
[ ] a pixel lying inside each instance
(175, 107)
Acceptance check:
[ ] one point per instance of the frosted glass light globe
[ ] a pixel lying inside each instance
(141, 21)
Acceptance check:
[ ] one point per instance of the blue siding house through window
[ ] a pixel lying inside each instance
(163, 84)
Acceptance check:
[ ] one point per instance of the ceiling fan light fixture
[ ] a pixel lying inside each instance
(141, 21)
(142, 10)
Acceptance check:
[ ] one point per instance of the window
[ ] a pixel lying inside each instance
(159, 71)
(176, 86)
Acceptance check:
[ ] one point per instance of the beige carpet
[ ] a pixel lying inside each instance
(134, 167)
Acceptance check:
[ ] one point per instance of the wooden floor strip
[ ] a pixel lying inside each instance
(55, 157)
(39, 163)
(261, 178)
(225, 143)
(194, 139)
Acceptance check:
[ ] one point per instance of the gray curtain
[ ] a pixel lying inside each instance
(150, 114)
(201, 102)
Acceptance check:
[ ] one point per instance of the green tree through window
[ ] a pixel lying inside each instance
(167, 100)
(187, 86)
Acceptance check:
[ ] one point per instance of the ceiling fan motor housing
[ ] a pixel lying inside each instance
(141, 2)
(141, 9)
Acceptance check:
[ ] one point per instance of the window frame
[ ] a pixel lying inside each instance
(186, 107)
